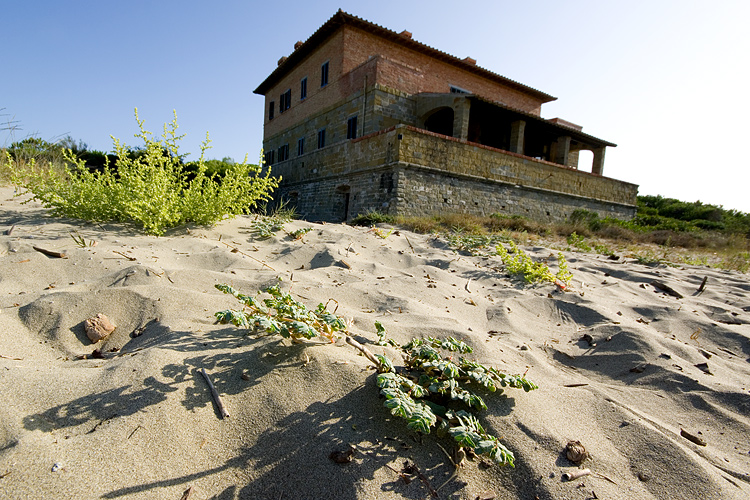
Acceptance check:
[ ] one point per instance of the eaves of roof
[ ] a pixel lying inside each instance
(573, 133)
(342, 18)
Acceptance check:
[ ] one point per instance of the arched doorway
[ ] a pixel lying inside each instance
(440, 121)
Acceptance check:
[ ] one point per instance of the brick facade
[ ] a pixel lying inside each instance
(402, 135)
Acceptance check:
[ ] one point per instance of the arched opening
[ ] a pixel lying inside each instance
(440, 122)
(585, 160)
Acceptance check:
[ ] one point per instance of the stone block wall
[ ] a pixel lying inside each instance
(404, 170)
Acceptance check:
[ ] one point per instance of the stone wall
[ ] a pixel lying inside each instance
(408, 171)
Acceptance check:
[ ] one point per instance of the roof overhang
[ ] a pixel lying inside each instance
(574, 133)
(341, 19)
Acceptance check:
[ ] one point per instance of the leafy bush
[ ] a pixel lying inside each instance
(150, 189)
(518, 263)
(578, 242)
(431, 379)
(372, 217)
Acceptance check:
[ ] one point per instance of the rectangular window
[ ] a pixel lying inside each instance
(285, 102)
(459, 90)
(270, 110)
(269, 158)
(351, 128)
(303, 89)
(321, 138)
(284, 152)
(324, 74)
(300, 146)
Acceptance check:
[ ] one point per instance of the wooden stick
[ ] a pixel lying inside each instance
(691, 437)
(666, 288)
(246, 255)
(223, 411)
(131, 259)
(50, 253)
(703, 285)
(570, 476)
(10, 231)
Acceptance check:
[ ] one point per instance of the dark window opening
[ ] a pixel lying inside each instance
(303, 89)
(321, 138)
(269, 157)
(270, 110)
(285, 102)
(284, 152)
(300, 146)
(351, 128)
(324, 74)
(458, 90)
(440, 122)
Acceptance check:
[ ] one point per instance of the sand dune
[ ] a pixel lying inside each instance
(622, 367)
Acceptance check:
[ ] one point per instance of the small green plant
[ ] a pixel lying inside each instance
(281, 313)
(518, 263)
(426, 391)
(578, 242)
(380, 233)
(153, 190)
(265, 227)
(297, 234)
(431, 391)
(602, 249)
(475, 244)
(81, 241)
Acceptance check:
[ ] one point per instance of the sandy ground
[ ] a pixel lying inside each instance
(141, 423)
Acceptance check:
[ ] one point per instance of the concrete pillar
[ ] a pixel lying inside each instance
(573, 159)
(562, 150)
(597, 166)
(516, 136)
(461, 114)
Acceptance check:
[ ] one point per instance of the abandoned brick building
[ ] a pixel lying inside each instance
(362, 118)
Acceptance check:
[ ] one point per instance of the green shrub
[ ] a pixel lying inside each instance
(520, 264)
(578, 242)
(372, 217)
(150, 189)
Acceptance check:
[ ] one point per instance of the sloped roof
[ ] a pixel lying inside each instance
(574, 133)
(342, 18)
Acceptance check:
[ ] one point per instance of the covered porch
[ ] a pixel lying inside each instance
(475, 119)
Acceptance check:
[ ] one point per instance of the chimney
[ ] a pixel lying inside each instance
(469, 60)
(297, 45)
(281, 61)
(406, 34)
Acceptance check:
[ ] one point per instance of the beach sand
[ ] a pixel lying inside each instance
(622, 367)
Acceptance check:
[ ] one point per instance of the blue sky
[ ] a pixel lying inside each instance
(666, 80)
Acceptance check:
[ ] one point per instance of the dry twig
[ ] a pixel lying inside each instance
(51, 253)
(222, 410)
(237, 250)
(131, 259)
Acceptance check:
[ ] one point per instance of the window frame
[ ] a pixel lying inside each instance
(283, 152)
(324, 69)
(300, 146)
(285, 101)
(351, 127)
(271, 107)
(321, 138)
(303, 89)
(269, 158)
